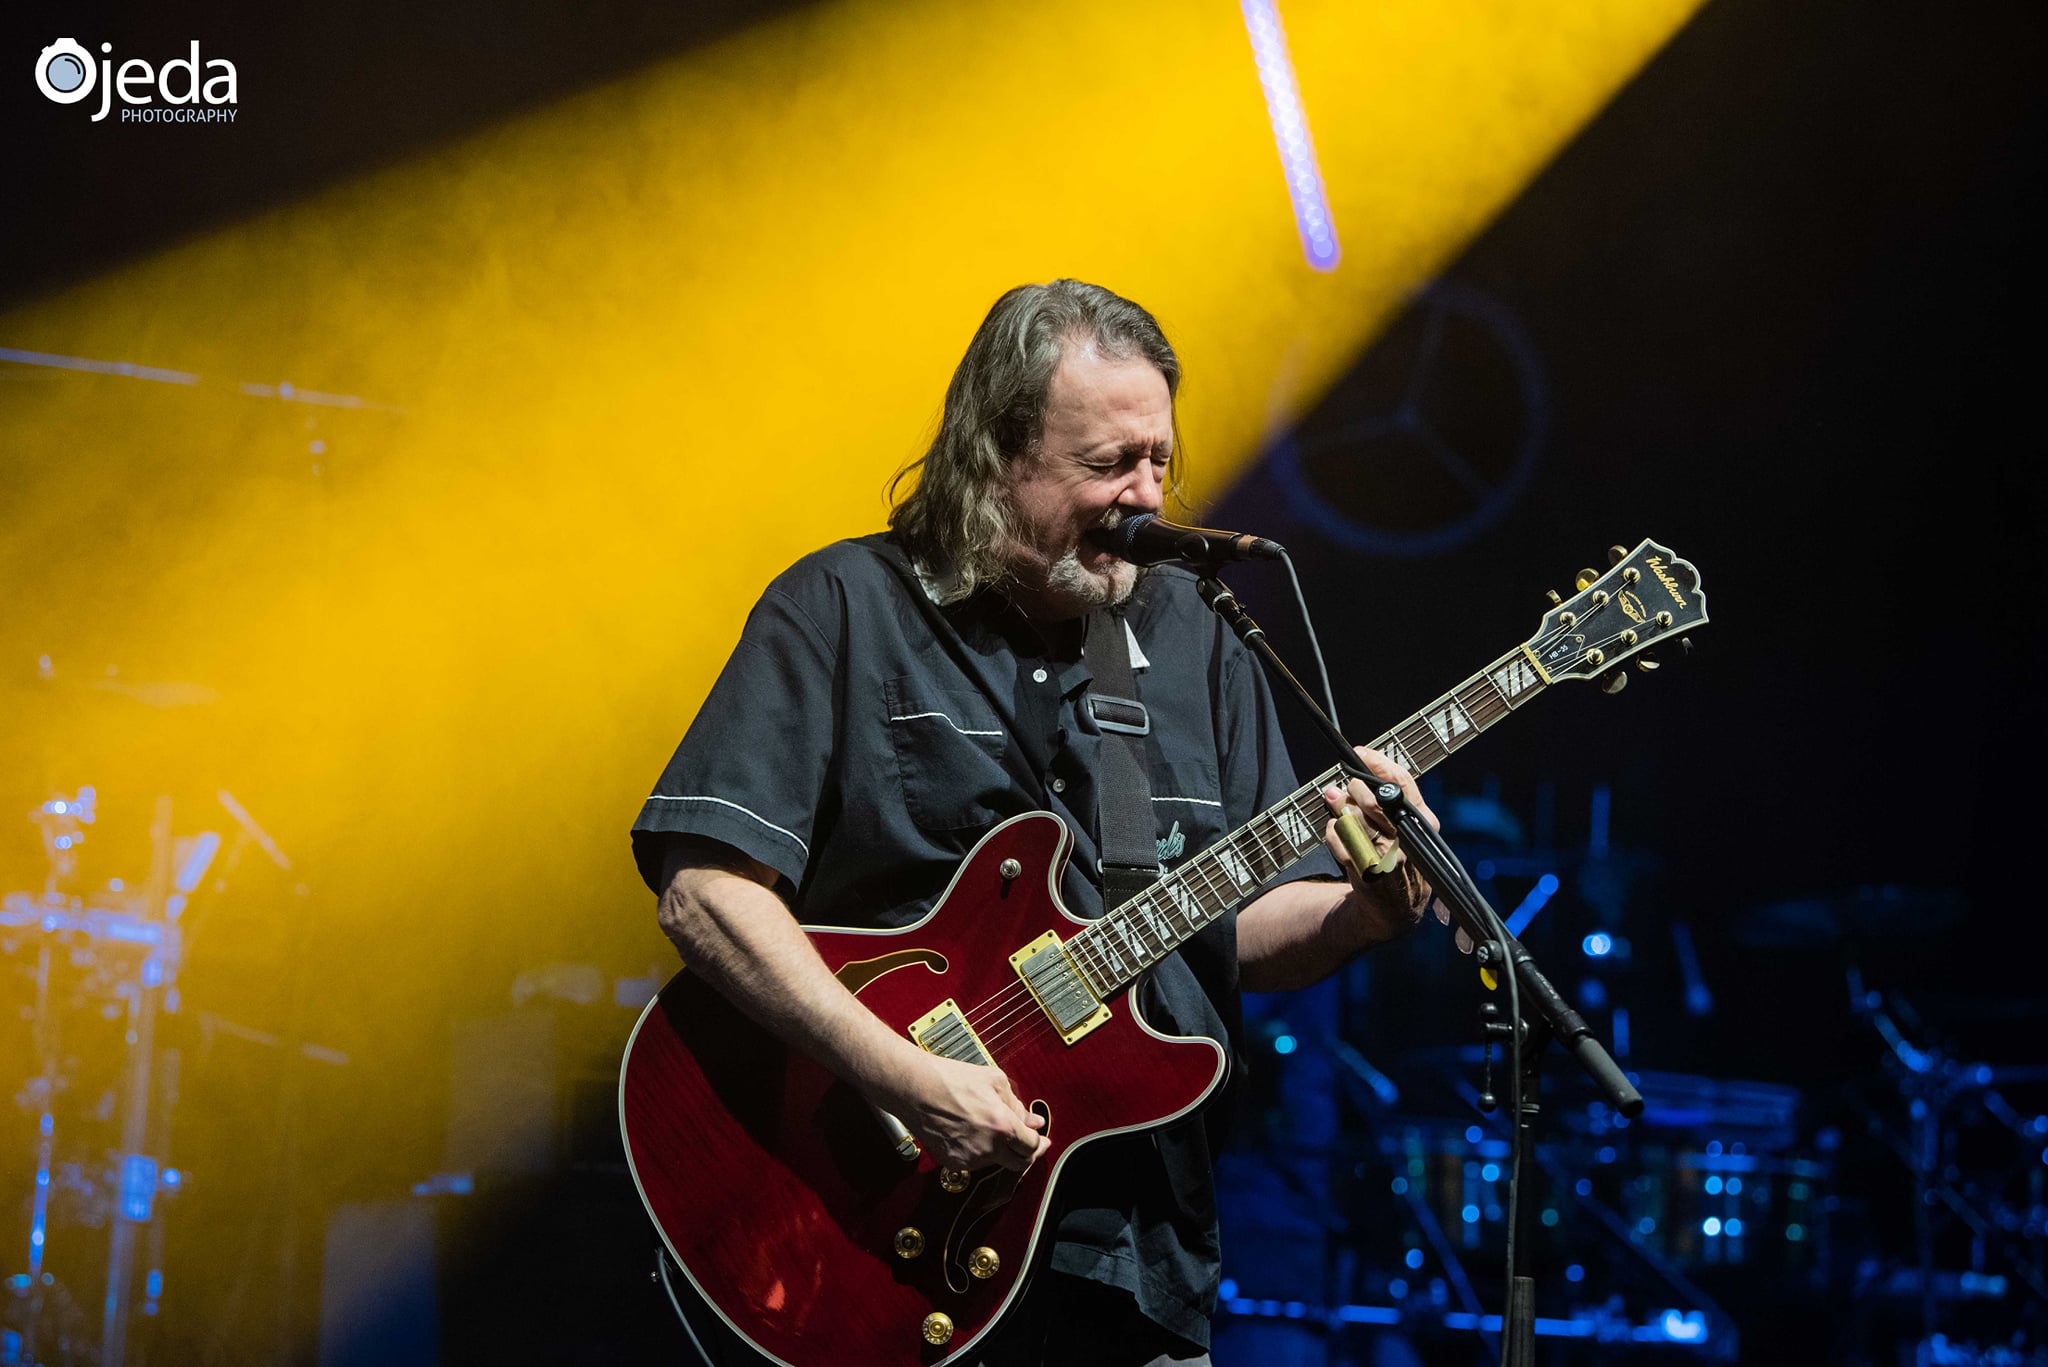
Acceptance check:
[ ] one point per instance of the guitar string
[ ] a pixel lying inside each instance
(1097, 966)
(1093, 959)
(1306, 804)
(1100, 963)
(1105, 966)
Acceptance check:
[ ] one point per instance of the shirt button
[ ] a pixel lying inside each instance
(1038, 676)
(1059, 785)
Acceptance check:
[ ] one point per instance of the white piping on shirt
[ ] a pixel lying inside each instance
(913, 716)
(780, 830)
(1203, 801)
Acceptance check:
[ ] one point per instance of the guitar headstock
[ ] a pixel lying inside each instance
(1648, 597)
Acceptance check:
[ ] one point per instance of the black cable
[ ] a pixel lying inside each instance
(1314, 647)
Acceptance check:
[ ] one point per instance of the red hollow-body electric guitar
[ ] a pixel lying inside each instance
(812, 1226)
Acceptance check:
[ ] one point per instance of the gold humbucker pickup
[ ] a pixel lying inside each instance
(1058, 987)
(945, 1031)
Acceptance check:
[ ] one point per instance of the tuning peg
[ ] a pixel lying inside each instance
(1554, 596)
(1646, 662)
(1588, 578)
(1614, 682)
(1616, 554)
(1685, 644)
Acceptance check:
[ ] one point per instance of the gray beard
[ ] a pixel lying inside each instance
(1066, 579)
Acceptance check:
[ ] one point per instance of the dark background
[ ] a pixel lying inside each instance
(1778, 308)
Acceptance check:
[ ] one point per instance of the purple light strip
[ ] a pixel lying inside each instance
(1290, 133)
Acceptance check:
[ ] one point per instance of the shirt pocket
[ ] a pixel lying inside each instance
(1187, 809)
(949, 752)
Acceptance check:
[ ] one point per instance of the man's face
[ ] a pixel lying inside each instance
(1108, 436)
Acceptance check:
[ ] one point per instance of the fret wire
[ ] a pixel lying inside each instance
(1201, 864)
(1265, 847)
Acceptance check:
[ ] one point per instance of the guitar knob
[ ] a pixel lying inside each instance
(1615, 682)
(938, 1328)
(909, 1242)
(953, 1180)
(1009, 869)
(983, 1263)
(1616, 554)
(1587, 578)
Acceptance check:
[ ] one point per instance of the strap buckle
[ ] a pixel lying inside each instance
(1125, 716)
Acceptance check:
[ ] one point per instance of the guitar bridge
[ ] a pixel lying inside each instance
(1058, 988)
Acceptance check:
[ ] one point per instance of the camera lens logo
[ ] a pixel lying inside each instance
(65, 72)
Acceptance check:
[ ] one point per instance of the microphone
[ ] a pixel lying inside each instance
(1149, 539)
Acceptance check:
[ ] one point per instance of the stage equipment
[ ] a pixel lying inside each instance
(101, 1089)
(103, 972)
(1592, 636)
(1989, 1191)
(818, 1236)
(1149, 539)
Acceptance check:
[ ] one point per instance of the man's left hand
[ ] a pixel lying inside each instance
(1394, 896)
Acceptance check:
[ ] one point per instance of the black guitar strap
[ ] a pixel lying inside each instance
(1123, 783)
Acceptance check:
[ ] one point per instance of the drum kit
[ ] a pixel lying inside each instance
(91, 966)
(1725, 1195)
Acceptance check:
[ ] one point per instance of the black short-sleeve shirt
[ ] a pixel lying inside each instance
(862, 738)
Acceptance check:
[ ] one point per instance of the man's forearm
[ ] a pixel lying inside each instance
(736, 934)
(739, 937)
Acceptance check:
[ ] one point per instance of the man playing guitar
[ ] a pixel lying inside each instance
(894, 696)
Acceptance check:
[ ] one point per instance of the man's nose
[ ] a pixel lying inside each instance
(1145, 491)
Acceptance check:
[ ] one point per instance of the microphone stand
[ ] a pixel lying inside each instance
(1539, 1011)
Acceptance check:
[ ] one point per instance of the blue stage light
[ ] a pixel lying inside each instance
(1598, 945)
(1713, 1186)
(1575, 1273)
(1710, 1226)
(1284, 1044)
(1470, 1214)
(1414, 1258)
(1689, 1327)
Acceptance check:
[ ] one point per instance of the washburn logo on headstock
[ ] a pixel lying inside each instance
(1656, 564)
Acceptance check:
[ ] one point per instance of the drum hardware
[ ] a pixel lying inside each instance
(108, 964)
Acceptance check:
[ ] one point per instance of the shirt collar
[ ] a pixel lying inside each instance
(940, 584)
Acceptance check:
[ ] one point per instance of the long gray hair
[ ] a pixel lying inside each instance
(957, 522)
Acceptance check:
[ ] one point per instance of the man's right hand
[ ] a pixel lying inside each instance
(964, 1114)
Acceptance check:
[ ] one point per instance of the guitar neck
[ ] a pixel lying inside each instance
(1138, 934)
